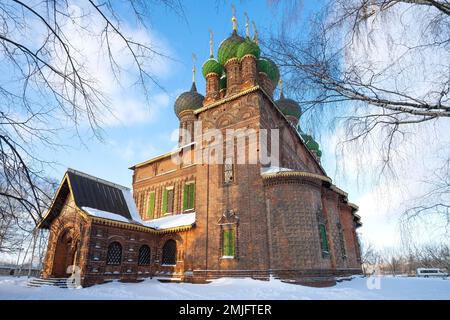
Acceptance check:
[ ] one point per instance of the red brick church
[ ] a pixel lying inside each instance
(191, 221)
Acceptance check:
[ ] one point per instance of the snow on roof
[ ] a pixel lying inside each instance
(178, 220)
(131, 205)
(273, 169)
(106, 215)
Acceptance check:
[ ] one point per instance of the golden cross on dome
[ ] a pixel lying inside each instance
(194, 60)
(233, 19)
(211, 52)
(255, 33)
(247, 32)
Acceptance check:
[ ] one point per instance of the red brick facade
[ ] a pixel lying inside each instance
(275, 218)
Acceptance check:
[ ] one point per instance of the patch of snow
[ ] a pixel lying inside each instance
(273, 169)
(106, 215)
(131, 206)
(372, 288)
(178, 220)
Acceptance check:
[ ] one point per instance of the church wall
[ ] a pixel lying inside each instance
(103, 234)
(176, 179)
(332, 211)
(293, 154)
(294, 235)
(243, 197)
(351, 241)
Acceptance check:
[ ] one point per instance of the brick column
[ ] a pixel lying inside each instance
(233, 72)
(212, 88)
(186, 135)
(249, 71)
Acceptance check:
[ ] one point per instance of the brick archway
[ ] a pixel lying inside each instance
(65, 253)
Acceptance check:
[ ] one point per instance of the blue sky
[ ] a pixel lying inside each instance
(142, 131)
(129, 142)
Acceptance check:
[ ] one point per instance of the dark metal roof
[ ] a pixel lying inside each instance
(92, 192)
(88, 191)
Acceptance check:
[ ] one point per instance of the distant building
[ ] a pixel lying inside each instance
(194, 221)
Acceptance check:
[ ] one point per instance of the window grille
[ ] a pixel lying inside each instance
(114, 255)
(228, 174)
(144, 256)
(169, 254)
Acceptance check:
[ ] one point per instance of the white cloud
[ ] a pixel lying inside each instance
(129, 111)
(119, 79)
(133, 151)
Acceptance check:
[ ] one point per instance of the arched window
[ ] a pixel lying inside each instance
(169, 254)
(114, 253)
(144, 256)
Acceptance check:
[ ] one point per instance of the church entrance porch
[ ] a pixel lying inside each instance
(65, 255)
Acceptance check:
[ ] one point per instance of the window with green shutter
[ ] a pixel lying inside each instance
(164, 201)
(167, 201)
(189, 196)
(228, 243)
(151, 206)
(323, 238)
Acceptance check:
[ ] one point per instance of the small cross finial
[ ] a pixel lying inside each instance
(255, 33)
(194, 60)
(247, 32)
(211, 51)
(233, 19)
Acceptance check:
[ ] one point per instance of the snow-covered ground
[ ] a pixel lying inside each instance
(232, 289)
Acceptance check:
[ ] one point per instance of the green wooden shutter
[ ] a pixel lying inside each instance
(185, 196)
(164, 201)
(151, 206)
(188, 196)
(192, 195)
(323, 236)
(228, 243)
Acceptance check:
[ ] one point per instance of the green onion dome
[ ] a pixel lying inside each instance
(229, 47)
(212, 66)
(311, 144)
(248, 47)
(270, 68)
(223, 82)
(289, 107)
(190, 100)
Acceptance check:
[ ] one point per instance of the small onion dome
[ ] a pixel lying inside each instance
(189, 100)
(248, 47)
(311, 144)
(223, 82)
(212, 66)
(228, 48)
(289, 107)
(270, 68)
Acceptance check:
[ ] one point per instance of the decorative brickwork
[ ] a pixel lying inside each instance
(294, 224)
